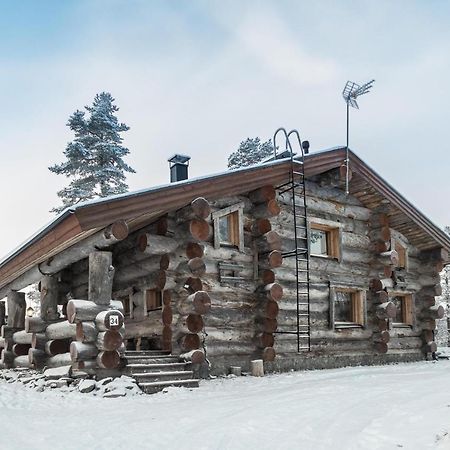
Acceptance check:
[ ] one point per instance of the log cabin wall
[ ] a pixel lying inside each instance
(229, 298)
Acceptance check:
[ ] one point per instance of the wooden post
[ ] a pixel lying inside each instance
(257, 368)
(49, 298)
(101, 274)
(16, 309)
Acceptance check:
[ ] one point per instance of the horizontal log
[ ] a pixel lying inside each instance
(37, 325)
(389, 258)
(434, 312)
(21, 349)
(85, 310)
(57, 346)
(154, 244)
(63, 359)
(86, 332)
(61, 330)
(80, 351)
(103, 239)
(21, 361)
(151, 267)
(22, 337)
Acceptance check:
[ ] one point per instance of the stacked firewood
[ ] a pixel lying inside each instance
(267, 245)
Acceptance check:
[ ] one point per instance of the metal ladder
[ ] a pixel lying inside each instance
(296, 185)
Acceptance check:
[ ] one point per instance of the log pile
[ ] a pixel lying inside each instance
(267, 245)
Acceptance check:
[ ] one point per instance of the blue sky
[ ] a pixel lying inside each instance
(197, 77)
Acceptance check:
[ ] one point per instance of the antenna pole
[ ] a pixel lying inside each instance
(347, 162)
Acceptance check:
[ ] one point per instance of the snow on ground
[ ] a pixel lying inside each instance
(388, 407)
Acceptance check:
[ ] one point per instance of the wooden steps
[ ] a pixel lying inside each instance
(155, 370)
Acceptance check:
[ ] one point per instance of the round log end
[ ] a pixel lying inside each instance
(381, 347)
(261, 226)
(201, 302)
(194, 323)
(167, 334)
(385, 336)
(273, 208)
(264, 340)
(197, 266)
(111, 340)
(167, 298)
(111, 320)
(142, 242)
(201, 208)
(199, 229)
(275, 259)
(119, 230)
(189, 342)
(268, 354)
(274, 291)
(271, 309)
(194, 250)
(391, 310)
(375, 285)
(108, 360)
(164, 262)
(193, 284)
(167, 315)
(268, 276)
(431, 347)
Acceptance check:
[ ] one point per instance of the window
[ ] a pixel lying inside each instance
(228, 227)
(402, 254)
(404, 313)
(324, 240)
(347, 308)
(126, 302)
(153, 299)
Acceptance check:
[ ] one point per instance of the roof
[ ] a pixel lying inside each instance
(142, 207)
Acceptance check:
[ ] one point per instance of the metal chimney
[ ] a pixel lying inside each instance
(178, 167)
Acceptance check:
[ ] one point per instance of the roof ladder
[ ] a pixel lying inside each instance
(296, 187)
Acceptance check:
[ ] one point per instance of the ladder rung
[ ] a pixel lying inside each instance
(303, 314)
(298, 173)
(302, 304)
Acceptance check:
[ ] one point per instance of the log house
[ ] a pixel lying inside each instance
(197, 268)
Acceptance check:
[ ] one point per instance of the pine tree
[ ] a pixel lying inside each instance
(251, 151)
(94, 159)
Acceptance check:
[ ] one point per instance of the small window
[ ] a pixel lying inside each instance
(402, 254)
(347, 308)
(404, 313)
(153, 299)
(324, 240)
(229, 227)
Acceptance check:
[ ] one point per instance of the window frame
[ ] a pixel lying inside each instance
(395, 244)
(157, 296)
(333, 232)
(236, 213)
(359, 315)
(408, 310)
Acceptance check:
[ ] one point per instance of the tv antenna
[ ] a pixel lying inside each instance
(350, 93)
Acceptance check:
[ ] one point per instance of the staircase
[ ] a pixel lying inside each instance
(155, 370)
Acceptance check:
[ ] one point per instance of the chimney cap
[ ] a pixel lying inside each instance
(179, 159)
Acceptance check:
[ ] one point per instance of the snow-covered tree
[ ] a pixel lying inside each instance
(251, 151)
(94, 159)
(443, 325)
